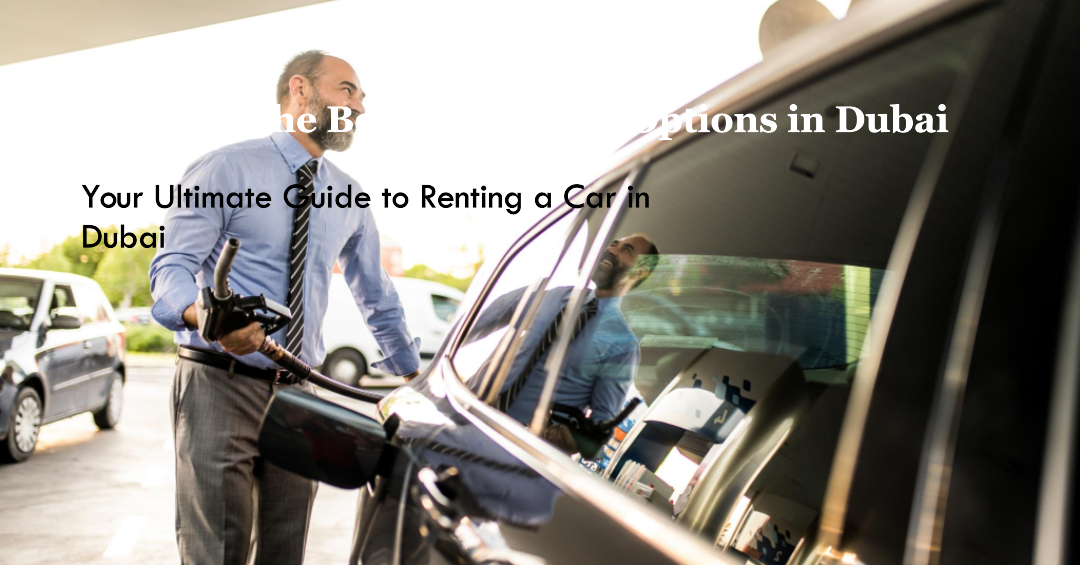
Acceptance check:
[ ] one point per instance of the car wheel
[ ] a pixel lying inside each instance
(24, 427)
(346, 365)
(109, 415)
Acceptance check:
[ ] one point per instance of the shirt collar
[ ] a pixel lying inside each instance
(295, 155)
(608, 303)
(605, 303)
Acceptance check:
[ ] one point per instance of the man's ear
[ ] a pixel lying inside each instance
(299, 87)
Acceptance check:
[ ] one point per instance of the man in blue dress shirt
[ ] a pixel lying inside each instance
(230, 502)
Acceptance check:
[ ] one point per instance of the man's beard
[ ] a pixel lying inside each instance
(606, 277)
(337, 141)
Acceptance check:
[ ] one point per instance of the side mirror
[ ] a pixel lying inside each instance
(321, 440)
(65, 322)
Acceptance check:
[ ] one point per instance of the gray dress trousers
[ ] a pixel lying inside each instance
(231, 506)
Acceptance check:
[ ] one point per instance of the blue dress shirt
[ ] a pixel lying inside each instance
(600, 364)
(348, 235)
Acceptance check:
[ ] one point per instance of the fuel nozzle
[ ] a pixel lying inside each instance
(221, 311)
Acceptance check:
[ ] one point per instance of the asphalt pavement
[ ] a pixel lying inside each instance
(107, 497)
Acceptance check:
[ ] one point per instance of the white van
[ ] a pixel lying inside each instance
(350, 346)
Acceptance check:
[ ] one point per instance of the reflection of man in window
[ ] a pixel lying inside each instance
(603, 355)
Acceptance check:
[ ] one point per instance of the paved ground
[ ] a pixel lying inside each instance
(97, 497)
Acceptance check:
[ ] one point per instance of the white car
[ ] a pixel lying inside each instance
(350, 346)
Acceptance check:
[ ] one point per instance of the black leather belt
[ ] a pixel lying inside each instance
(227, 362)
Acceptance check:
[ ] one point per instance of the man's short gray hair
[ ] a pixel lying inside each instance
(307, 64)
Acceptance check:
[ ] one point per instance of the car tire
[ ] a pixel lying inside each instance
(24, 428)
(346, 365)
(108, 416)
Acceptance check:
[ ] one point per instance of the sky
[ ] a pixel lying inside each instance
(513, 97)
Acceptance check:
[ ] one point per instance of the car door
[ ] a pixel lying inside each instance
(751, 449)
(927, 359)
(99, 346)
(62, 358)
(996, 455)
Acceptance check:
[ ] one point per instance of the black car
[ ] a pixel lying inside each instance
(61, 354)
(880, 361)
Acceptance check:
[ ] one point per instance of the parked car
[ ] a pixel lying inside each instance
(882, 365)
(350, 346)
(61, 354)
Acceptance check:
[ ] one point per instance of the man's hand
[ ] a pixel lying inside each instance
(240, 341)
(560, 436)
(243, 340)
(411, 375)
(191, 316)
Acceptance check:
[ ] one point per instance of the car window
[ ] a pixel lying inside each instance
(551, 261)
(445, 307)
(92, 305)
(63, 303)
(735, 307)
(18, 300)
(530, 264)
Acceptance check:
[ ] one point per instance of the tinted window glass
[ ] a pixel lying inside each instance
(533, 287)
(532, 263)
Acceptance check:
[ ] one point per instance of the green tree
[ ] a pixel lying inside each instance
(122, 274)
(52, 260)
(69, 256)
(421, 271)
(85, 261)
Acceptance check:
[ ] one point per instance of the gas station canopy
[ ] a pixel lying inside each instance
(30, 29)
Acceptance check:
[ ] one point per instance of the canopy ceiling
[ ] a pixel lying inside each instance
(30, 29)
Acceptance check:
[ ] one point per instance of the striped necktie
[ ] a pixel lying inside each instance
(506, 398)
(294, 337)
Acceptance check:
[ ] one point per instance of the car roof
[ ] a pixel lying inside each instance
(55, 276)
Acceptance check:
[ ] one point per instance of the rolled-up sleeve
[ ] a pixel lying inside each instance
(374, 292)
(193, 233)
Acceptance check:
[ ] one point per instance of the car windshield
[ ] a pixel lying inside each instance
(816, 313)
(18, 300)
